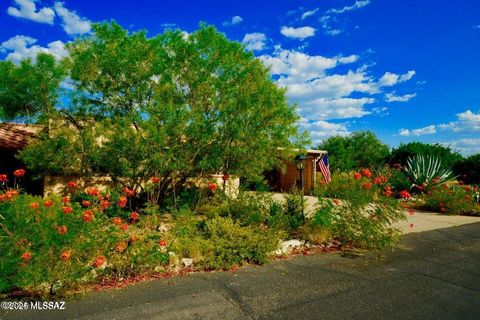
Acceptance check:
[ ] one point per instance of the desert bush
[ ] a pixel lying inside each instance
(454, 199)
(54, 240)
(468, 170)
(366, 212)
(447, 156)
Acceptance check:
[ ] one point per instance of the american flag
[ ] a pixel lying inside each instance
(324, 167)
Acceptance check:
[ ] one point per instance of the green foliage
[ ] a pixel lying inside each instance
(358, 150)
(401, 154)
(171, 106)
(422, 170)
(468, 170)
(365, 214)
(31, 89)
(233, 244)
(451, 200)
(49, 235)
(221, 242)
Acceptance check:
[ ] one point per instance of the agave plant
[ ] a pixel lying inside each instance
(427, 169)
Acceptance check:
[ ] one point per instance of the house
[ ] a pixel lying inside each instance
(14, 137)
(290, 178)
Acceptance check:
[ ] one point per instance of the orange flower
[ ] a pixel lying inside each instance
(124, 227)
(122, 202)
(48, 204)
(99, 261)
(128, 192)
(162, 243)
(93, 192)
(66, 255)
(121, 246)
(62, 230)
(155, 180)
(134, 216)
(86, 203)
(213, 187)
(72, 185)
(67, 209)
(366, 173)
(387, 193)
(66, 200)
(27, 256)
(3, 178)
(357, 175)
(19, 173)
(34, 205)
(117, 221)
(87, 216)
(367, 185)
(404, 194)
(104, 204)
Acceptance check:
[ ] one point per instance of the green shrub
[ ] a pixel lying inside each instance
(365, 214)
(41, 245)
(401, 154)
(233, 244)
(468, 170)
(451, 200)
(221, 242)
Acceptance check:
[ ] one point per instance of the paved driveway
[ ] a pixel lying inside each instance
(432, 275)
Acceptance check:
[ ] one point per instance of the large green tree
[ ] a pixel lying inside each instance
(401, 154)
(174, 106)
(358, 150)
(31, 89)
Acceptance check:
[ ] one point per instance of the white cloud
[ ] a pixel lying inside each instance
(71, 22)
(298, 33)
(22, 47)
(254, 41)
(390, 79)
(467, 121)
(320, 130)
(391, 97)
(28, 10)
(418, 132)
(307, 14)
(235, 20)
(321, 96)
(466, 147)
(356, 5)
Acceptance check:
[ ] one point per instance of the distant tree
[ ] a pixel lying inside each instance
(444, 154)
(173, 106)
(31, 89)
(468, 170)
(358, 150)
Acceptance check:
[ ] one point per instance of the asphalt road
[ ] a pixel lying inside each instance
(432, 275)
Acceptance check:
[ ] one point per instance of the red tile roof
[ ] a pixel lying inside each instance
(17, 136)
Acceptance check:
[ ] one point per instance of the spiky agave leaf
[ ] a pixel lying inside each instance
(425, 169)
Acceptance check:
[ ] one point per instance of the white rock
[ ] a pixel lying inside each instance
(289, 245)
(187, 262)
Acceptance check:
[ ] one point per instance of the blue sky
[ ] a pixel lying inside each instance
(407, 70)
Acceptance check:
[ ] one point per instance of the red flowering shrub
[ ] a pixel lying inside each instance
(357, 175)
(213, 187)
(48, 204)
(3, 178)
(19, 173)
(454, 199)
(404, 194)
(87, 216)
(366, 173)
